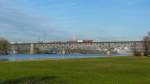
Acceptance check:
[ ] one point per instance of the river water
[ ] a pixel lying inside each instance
(51, 56)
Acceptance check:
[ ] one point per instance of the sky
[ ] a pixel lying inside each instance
(53, 20)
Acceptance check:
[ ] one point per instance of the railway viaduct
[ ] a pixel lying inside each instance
(126, 47)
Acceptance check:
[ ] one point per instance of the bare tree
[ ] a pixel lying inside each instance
(147, 45)
(4, 46)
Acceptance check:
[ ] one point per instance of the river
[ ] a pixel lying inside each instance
(51, 56)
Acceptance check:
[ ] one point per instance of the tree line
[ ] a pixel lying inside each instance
(4, 46)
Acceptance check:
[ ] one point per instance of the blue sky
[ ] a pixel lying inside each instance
(29, 20)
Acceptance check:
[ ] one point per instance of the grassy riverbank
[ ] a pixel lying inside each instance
(115, 70)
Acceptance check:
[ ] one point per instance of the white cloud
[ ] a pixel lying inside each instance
(16, 25)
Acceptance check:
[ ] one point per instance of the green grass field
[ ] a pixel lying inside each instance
(113, 70)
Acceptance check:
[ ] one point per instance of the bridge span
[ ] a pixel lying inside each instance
(123, 47)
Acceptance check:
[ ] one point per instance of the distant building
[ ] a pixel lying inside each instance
(81, 41)
(84, 41)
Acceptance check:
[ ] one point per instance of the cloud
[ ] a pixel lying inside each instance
(17, 25)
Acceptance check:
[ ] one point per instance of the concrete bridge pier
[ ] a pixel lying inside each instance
(13, 51)
(63, 51)
(32, 48)
(109, 53)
